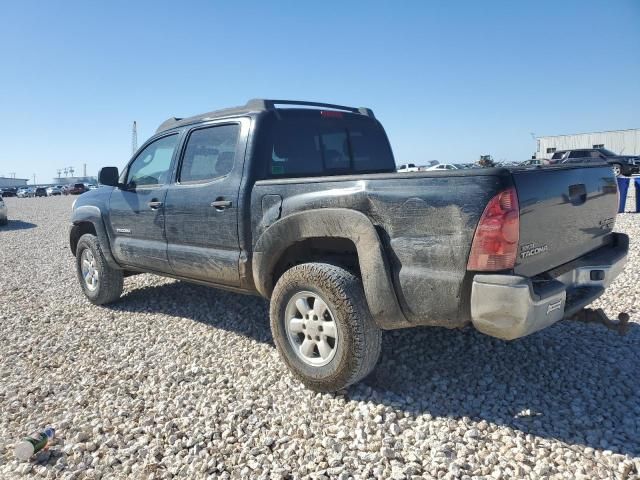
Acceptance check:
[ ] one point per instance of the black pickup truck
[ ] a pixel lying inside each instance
(300, 202)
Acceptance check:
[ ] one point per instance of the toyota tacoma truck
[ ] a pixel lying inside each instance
(300, 202)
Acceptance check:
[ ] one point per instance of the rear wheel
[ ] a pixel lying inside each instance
(100, 283)
(322, 326)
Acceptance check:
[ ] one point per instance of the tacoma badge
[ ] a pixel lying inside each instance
(530, 249)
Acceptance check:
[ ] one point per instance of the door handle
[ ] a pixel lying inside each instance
(154, 204)
(220, 204)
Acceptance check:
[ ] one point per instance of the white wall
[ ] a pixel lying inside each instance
(12, 182)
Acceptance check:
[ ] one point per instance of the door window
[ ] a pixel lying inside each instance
(151, 166)
(210, 153)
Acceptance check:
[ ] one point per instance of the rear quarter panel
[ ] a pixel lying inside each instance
(425, 221)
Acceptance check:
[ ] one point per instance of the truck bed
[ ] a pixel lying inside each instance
(426, 222)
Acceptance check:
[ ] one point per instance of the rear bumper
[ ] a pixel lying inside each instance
(511, 306)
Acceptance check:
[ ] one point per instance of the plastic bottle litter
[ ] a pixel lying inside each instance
(34, 443)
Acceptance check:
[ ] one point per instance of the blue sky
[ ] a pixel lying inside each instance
(449, 80)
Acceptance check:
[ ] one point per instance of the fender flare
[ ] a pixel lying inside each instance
(336, 223)
(91, 214)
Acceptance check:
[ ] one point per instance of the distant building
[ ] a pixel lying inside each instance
(69, 180)
(622, 142)
(13, 182)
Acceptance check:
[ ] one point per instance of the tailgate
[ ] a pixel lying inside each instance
(565, 212)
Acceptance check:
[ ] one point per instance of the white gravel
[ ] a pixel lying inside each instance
(181, 380)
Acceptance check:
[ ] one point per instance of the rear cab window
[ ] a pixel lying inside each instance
(301, 143)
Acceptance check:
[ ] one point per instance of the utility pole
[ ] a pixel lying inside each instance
(34, 179)
(134, 138)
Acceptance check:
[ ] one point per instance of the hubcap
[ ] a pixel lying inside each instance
(90, 271)
(311, 329)
(617, 170)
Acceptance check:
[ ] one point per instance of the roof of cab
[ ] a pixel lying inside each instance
(254, 105)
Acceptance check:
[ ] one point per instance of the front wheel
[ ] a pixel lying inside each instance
(322, 326)
(100, 283)
(617, 169)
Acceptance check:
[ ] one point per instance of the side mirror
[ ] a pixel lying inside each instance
(109, 176)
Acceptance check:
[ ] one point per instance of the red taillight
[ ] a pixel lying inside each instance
(495, 243)
(331, 114)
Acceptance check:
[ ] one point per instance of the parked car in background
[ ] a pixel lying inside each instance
(3, 212)
(534, 161)
(408, 167)
(22, 192)
(442, 166)
(304, 207)
(92, 186)
(55, 190)
(622, 164)
(40, 192)
(78, 188)
(9, 192)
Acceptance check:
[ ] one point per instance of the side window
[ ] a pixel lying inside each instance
(151, 166)
(577, 154)
(210, 153)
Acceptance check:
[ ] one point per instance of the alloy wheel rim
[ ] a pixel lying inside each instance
(311, 329)
(90, 272)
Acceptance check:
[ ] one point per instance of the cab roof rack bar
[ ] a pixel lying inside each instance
(268, 104)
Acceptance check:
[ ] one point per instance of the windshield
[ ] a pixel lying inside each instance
(607, 153)
(302, 143)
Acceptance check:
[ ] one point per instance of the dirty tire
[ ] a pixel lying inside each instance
(360, 339)
(110, 280)
(4, 221)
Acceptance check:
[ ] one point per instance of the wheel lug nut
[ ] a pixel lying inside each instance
(317, 338)
(320, 328)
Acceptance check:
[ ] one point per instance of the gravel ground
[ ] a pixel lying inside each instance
(181, 380)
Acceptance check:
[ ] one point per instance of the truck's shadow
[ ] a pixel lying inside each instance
(567, 382)
(16, 225)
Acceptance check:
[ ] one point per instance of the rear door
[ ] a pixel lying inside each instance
(565, 212)
(202, 205)
(137, 217)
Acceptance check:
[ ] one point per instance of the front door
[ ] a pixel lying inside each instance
(137, 214)
(201, 208)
